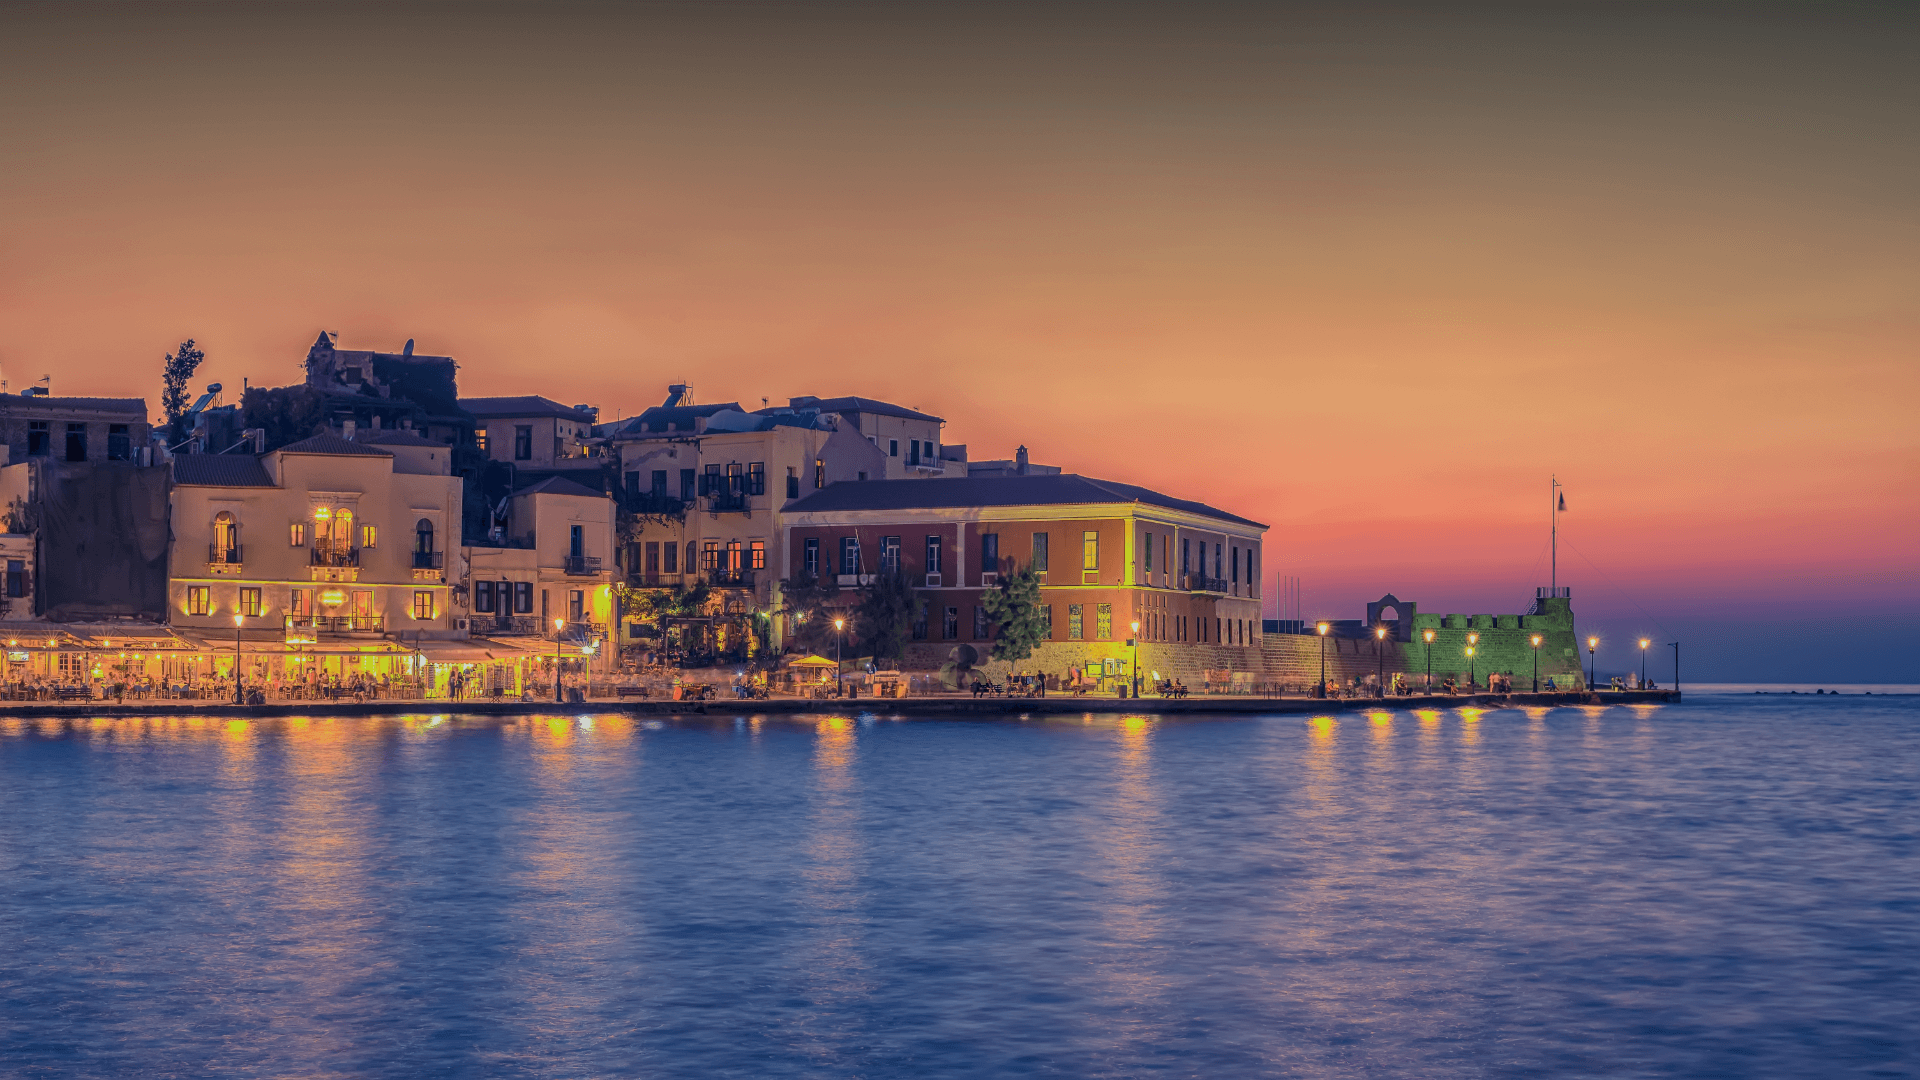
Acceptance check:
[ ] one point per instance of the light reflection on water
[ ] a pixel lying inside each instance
(1712, 889)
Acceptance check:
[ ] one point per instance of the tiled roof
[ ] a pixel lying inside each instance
(58, 404)
(525, 405)
(655, 420)
(220, 470)
(559, 485)
(332, 444)
(1062, 490)
(867, 405)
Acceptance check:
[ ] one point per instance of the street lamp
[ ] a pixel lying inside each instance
(1536, 663)
(1380, 661)
(1473, 638)
(237, 699)
(1135, 642)
(1644, 642)
(558, 624)
(1592, 644)
(839, 625)
(1323, 628)
(1428, 636)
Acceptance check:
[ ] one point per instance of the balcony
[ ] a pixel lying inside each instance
(517, 625)
(583, 565)
(1202, 583)
(729, 503)
(224, 560)
(846, 580)
(656, 504)
(429, 566)
(335, 565)
(335, 624)
(732, 579)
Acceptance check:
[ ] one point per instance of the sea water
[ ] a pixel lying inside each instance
(1726, 887)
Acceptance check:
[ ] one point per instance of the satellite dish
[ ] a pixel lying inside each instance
(408, 351)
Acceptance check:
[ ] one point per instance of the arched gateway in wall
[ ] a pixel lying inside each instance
(1403, 612)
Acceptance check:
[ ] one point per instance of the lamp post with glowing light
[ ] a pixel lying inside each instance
(1427, 636)
(1473, 638)
(1323, 628)
(839, 637)
(1536, 663)
(1135, 642)
(1592, 644)
(237, 699)
(1644, 642)
(558, 625)
(1380, 661)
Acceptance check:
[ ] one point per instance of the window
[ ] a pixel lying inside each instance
(669, 558)
(1105, 627)
(933, 554)
(863, 474)
(250, 602)
(950, 624)
(76, 442)
(226, 537)
(691, 556)
(559, 447)
(819, 472)
(979, 624)
(423, 602)
(850, 555)
(1040, 553)
(733, 557)
(1046, 620)
(483, 596)
(1075, 623)
(711, 481)
(16, 578)
(119, 443)
(576, 541)
(756, 478)
(758, 552)
(423, 536)
(480, 439)
(893, 447)
(1216, 562)
(1149, 551)
(919, 625)
(523, 597)
(545, 611)
(710, 555)
(889, 554)
(199, 600)
(576, 605)
(39, 439)
(989, 552)
(300, 603)
(735, 481)
(523, 442)
(928, 453)
(297, 534)
(633, 484)
(686, 485)
(793, 483)
(1089, 550)
(1186, 555)
(1236, 566)
(913, 451)
(653, 557)
(658, 486)
(810, 556)
(368, 536)
(362, 603)
(1250, 576)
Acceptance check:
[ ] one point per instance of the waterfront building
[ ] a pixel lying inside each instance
(1107, 554)
(73, 429)
(908, 438)
(533, 432)
(370, 390)
(551, 559)
(331, 552)
(705, 487)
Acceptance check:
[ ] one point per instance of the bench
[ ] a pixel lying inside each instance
(629, 691)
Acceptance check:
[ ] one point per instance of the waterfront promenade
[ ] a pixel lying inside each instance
(936, 705)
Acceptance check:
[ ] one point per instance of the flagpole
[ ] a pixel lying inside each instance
(1553, 513)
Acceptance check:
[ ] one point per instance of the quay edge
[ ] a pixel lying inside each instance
(906, 707)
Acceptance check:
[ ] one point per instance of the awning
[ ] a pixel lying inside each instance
(812, 662)
(453, 652)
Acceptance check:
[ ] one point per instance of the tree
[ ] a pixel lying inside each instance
(809, 604)
(174, 377)
(286, 413)
(1015, 610)
(885, 616)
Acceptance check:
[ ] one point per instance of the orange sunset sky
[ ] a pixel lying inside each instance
(1369, 274)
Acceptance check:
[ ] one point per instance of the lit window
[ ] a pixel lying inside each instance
(423, 604)
(297, 534)
(1105, 627)
(368, 535)
(1075, 621)
(199, 600)
(1090, 550)
(250, 602)
(759, 555)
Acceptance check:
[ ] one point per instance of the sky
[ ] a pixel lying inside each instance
(1373, 275)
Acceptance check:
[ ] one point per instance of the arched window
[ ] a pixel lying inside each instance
(226, 538)
(423, 537)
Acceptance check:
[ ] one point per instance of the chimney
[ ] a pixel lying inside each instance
(1020, 461)
(346, 430)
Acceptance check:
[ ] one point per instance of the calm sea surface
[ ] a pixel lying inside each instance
(1723, 888)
